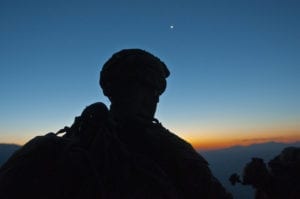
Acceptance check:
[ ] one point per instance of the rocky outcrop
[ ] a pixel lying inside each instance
(279, 179)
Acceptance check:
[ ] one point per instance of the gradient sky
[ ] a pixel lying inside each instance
(235, 64)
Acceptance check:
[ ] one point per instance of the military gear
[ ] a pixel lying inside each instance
(133, 65)
(89, 161)
(121, 153)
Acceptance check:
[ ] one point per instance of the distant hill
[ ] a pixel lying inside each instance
(6, 150)
(227, 161)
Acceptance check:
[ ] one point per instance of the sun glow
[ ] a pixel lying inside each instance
(219, 140)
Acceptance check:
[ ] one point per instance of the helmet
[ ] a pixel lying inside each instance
(133, 65)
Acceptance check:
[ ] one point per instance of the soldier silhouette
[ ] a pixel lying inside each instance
(279, 179)
(121, 152)
(133, 80)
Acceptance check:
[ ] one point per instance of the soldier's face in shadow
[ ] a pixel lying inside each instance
(134, 101)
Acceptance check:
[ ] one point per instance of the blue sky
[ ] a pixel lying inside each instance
(235, 65)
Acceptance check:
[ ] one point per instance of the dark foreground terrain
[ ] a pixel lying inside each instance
(223, 162)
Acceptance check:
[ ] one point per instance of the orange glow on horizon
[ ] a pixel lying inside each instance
(208, 140)
(213, 143)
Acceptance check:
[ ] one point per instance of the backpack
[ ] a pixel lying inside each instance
(88, 161)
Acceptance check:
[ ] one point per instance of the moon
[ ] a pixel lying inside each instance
(171, 27)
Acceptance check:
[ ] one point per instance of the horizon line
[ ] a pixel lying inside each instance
(205, 149)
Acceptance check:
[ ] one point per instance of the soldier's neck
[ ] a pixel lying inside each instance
(129, 121)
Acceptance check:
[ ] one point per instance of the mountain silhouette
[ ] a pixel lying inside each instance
(6, 150)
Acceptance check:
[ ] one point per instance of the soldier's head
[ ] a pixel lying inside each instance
(133, 80)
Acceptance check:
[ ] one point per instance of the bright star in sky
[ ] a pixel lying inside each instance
(171, 26)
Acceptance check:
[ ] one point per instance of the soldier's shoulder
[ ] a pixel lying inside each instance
(177, 144)
(164, 132)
